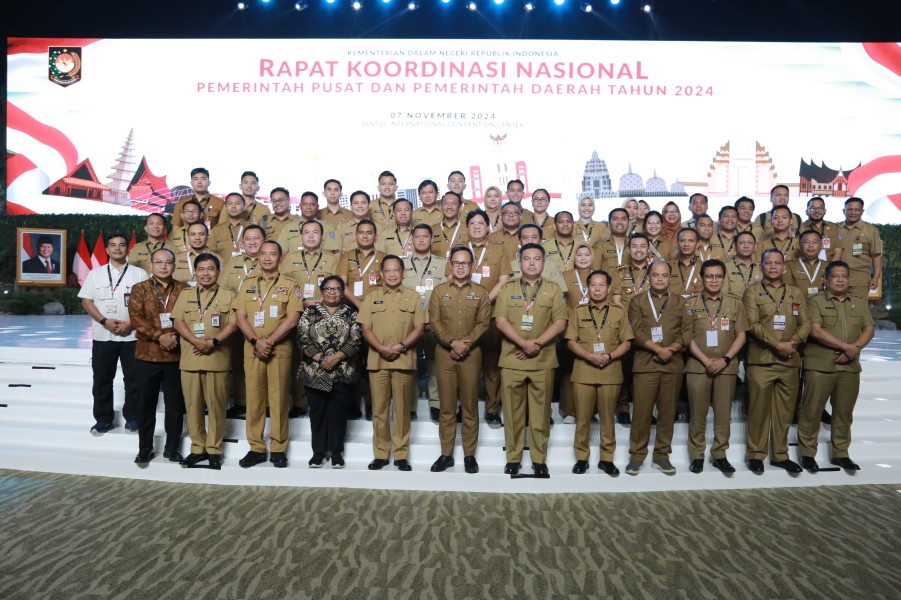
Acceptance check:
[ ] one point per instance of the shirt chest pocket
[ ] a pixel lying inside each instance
(830, 319)
(765, 307)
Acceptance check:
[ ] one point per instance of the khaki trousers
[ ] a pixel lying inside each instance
(458, 379)
(527, 391)
(589, 398)
(399, 386)
(842, 388)
(704, 391)
(268, 384)
(491, 355)
(205, 389)
(650, 390)
(773, 391)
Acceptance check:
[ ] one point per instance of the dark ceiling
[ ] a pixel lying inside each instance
(739, 20)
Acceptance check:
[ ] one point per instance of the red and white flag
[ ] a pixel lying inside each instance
(99, 257)
(81, 264)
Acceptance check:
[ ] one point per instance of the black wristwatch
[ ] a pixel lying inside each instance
(728, 359)
(403, 347)
(216, 342)
(102, 322)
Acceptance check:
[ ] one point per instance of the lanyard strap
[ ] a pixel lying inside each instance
(619, 253)
(598, 330)
(360, 264)
(403, 244)
(208, 304)
(715, 317)
(654, 308)
(159, 296)
(582, 289)
(109, 274)
(481, 256)
(750, 273)
(424, 271)
(640, 285)
(453, 237)
(781, 300)
(560, 252)
(531, 302)
(235, 239)
(815, 271)
(271, 287)
(307, 270)
(691, 275)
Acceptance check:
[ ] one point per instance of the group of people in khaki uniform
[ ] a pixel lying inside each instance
(623, 312)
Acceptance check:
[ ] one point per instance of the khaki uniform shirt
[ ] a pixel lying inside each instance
(487, 266)
(269, 302)
(178, 239)
(740, 277)
(258, 214)
(552, 270)
(396, 241)
(211, 209)
(139, 255)
(807, 277)
(459, 312)
(675, 327)
(846, 319)
(592, 233)
(725, 244)
(613, 323)
(576, 289)
(184, 264)
(225, 239)
(726, 318)
(788, 247)
(290, 238)
(467, 207)
(148, 302)
(563, 254)
(275, 226)
(381, 213)
(336, 218)
(763, 303)
(859, 244)
(236, 270)
(548, 230)
(423, 275)
(392, 314)
(216, 304)
(548, 307)
(765, 222)
(710, 251)
(346, 235)
(753, 227)
(629, 282)
(510, 241)
(444, 238)
(421, 215)
(608, 257)
(686, 280)
(829, 233)
(308, 269)
(355, 268)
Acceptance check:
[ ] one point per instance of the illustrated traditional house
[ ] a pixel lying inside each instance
(80, 182)
(148, 191)
(823, 181)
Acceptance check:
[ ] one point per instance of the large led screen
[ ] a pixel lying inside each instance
(115, 126)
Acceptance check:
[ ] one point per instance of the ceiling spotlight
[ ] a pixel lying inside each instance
(472, 6)
(445, 1)
(302, 5)
(412, 5)
(498, 2)
(586, 7)
(357, 5)
(386, 1)
(559, 2)
(614, 2)
(265, 1)
(646, 8)
(242, 5)
(529, 6)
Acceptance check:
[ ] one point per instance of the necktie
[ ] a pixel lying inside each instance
(49, 268)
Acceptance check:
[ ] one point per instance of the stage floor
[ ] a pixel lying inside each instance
(45, 417)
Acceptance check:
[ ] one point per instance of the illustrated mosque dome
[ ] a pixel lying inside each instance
(655, 185)
(677, 188)
(631, 184)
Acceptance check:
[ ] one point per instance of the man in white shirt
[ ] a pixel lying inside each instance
(104, 296)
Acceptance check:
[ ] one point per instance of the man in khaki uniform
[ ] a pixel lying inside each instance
(531, 234)
(204, 320)
(190, 214)
(267, 309)
(779, 196)
(280, 199)
(613, 252)
(458, 315)
(451, 231)
(508, 233)
(778, 322)
(381, 212)
(290, 236)
(841, 326)
(211, 207)
(662, 330)
(226, 237)
(198, 235)
(707, 247)
(717, 336)
(599, 335)
(746, 222)
(530, 314)
(697, 206)
(333, 213)
(782, 238)
(456, 182)
(361, 268)
(255, 213)
(807, 272)
(429, 213)
(724, 239)
(423, 272)
(742, 271)
(397, 238)
(346, 232)
(816, 211)
(632, 279)
(393, 318)
(155, 228)
(516, 190)
(861, 249)
(245, 265)
(561, 246)
(685, 279)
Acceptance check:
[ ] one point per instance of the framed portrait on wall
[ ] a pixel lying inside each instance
(41, 256)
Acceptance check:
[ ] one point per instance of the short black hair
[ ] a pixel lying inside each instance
(426, 183)
(748, 232)
(477, 213)
(460, 173)
(253, 227)
(563, 212)
(834, 264)
(640, 236)
(602, 273)
(617, 210)
(809, 232)
(249, 174)
(744, 199)
(532, 247)
(360, 193)
(854, 199)
(113, 236)
(425, 226)
(277, 245)
(151, 215)
(205, 228)
(200, 170)
(335, 278)
(238, 194)
(282, 190)
(388, 174)
(512, 181)
(456, 249)
(195, 203)
(712, 262)
(309, 193)
(527, 226)
(683, 230)
(725, 208)
(207, 256)
(366, 222)
(328, 181)
(392, 257)
(305, 223)
(403, 200)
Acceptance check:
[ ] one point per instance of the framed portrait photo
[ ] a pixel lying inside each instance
(41, 256)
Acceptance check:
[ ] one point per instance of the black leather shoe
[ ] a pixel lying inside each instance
(369, 413)
(723, 465)
(755, 465)
(278, 459)
(413, 416)
(493, 419)
(540, 469)
(296, 412)
(173, 455)
(608, 467)
(442, 464)
(192, 459)
(435, 414)
(215, 461)
(459, 416)
(144, 456)
(252, 458)
(316, 461)
(580, 467)
(403, 465)
(809, 463)
(846, 463)
(623, 418)
(470, 464)
(789, 465)
(337, 460)
(826, 418)
(697, 465)
(377, 464)
(512, 468)
(236, 412)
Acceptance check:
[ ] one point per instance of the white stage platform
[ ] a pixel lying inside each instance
(45, 418)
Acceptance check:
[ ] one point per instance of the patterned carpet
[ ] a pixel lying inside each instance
(68, 537)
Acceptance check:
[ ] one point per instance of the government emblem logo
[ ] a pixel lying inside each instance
(64, 65)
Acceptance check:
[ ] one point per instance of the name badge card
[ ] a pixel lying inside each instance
(259, 318)
(110, 308)
(192, 283)
(526, 323)
(795, 308)
(486, 271)
(827, 243)
(165, 320)
(584, 300)
(724, 324)
(273, 311)
(779, 322)
(856, 249)
(476, 277)
(358, 288)
(308, 290)
(199, 329)
(812, 291)
(429, 284)
(599, 347)
(713, 339)
(657, 334)
(214, 319)
(373, 279)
